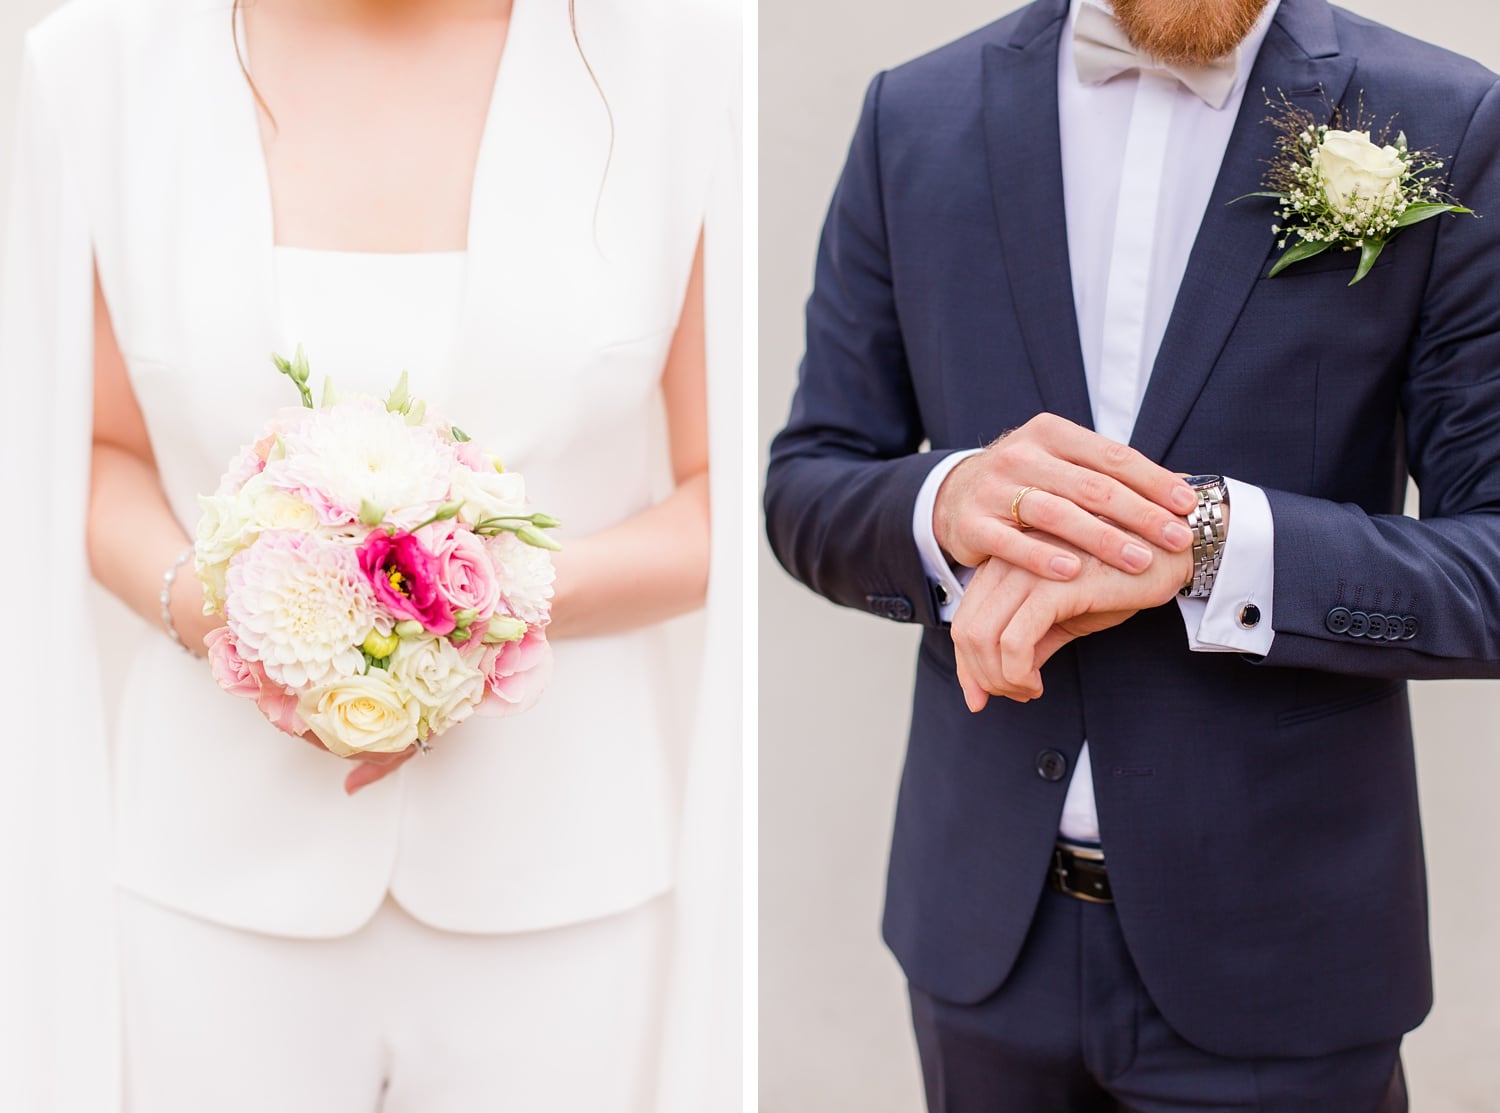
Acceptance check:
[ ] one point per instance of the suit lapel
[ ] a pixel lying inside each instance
(1299, 58)
(1025, 167)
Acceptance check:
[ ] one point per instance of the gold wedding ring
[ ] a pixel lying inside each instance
(1015, 507)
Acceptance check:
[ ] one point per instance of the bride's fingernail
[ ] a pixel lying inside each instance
(1064, 565)
(1137, 556)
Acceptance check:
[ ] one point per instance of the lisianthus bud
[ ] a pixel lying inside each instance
(415, 412)
(448, 510)
(380, 646)
(544, 521)
(504, 628)
(370, 514)
(464, 619)
(410, 628)
(536, 538)
(399, 400)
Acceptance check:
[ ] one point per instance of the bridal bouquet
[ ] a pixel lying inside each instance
(380, 577)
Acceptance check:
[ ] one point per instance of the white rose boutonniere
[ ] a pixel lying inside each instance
(1341, 186)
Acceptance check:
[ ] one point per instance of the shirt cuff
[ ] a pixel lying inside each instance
(1236, 616)
(949, 581)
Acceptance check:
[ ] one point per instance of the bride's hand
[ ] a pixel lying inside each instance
(368, 768)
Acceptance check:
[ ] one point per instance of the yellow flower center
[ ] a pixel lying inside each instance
(398, 582)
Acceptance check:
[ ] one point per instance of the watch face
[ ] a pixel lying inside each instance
(1204, 480)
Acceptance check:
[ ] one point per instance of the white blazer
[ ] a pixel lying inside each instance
(138, 152)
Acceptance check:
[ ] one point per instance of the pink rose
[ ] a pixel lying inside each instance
(471, 456)
(280, 707)
(232, 672)
(247, 679)
(515, 675)
(465, 571)
(406, 579)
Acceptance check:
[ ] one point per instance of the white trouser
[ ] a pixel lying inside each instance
(397, 1018)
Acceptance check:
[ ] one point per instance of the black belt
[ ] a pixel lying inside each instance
(1079, 872)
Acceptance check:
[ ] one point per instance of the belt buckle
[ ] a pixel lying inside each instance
(1060, 856)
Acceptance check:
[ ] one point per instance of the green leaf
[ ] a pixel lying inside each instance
(1302, 249)
(399, 400)
(459, 435)
(1246, 197)
(1426, 210)
(1367, 256)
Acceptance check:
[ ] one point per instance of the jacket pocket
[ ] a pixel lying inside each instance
(1311, 712)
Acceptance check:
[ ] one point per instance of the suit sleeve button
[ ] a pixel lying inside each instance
(1409, 627)
(1377, 628)
(1338, 620)
(1051, 765)
(1359, 624)
(901, 610)
(1393, 627)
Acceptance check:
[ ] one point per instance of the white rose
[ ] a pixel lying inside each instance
(447, 687)
(1348, 163)
(223, 530)
(487, 494)
(269, 508)
(361, 714)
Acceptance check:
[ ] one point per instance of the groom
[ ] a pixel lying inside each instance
(1179, 864)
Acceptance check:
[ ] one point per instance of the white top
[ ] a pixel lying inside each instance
(1140, 155)
(361, 313)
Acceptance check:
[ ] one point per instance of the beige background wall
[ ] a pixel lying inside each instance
(835, 684)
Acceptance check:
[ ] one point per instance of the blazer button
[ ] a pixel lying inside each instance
(1409, 627)
(1377, 627)
(1393, 627)
(1338, 620)
(1359, 624)
(1051, 765)
(901, 610)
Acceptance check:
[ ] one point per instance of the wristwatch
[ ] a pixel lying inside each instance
(1206, 520)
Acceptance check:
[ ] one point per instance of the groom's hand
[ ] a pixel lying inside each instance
(1078, 478)
(1010, 621)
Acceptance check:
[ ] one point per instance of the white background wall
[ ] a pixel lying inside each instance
(835, 685)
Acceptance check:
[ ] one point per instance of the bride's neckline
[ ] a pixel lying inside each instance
(452, 254)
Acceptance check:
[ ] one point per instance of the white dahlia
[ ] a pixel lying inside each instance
(301, 607)
(357, 453)
(526, 574)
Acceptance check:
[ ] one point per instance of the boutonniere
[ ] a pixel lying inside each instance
(1339, 187)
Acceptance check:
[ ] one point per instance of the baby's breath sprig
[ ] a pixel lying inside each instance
(1341, 184)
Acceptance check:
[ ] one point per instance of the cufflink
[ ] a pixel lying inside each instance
(1249, 616)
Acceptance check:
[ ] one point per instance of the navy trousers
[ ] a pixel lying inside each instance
(1074, 1031)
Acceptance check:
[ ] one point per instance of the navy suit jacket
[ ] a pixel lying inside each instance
(1260, 816)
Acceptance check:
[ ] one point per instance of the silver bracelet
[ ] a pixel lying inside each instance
(167, 581)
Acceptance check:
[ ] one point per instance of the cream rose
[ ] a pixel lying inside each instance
(1349, 163)
(223, 530)
(268, 508)
(487, 494)
(446, 687)
(361, 714)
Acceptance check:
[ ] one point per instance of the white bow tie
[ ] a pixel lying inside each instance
(1101, 51)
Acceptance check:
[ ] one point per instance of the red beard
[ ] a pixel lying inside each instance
(1188, 31)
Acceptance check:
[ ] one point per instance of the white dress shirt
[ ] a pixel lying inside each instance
(1140, 155)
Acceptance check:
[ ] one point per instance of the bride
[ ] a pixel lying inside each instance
(531, 209)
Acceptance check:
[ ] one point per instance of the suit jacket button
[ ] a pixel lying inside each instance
(1377, 627)
(1338, 620)
(1409, 627)
(1051, 765)
(1393, 627)
(1359, 624)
